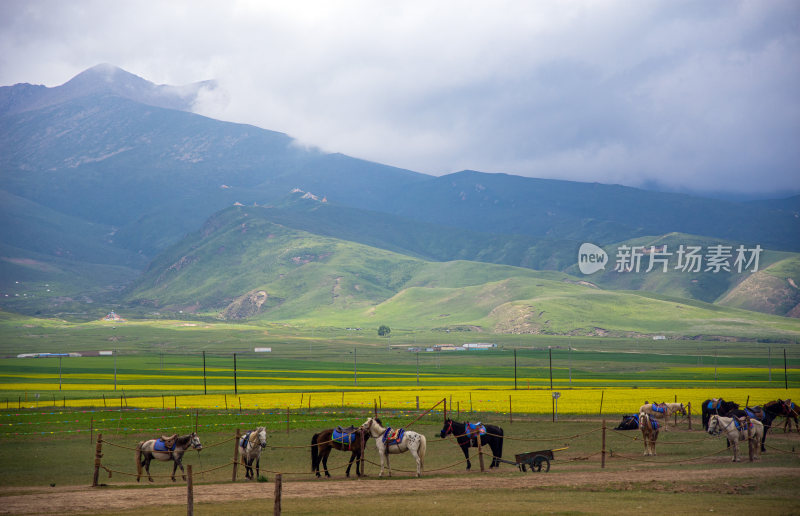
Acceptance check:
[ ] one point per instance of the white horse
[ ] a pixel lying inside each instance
(738, 430)
(250, 447)
(172, 448)
(668, 410)
(411, 441)
(649, 427)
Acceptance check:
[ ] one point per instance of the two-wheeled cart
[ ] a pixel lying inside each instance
(536, 460)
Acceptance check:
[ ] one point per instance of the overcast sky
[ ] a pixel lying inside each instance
(698, 96)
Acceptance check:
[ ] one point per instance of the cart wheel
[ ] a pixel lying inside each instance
(538, 461)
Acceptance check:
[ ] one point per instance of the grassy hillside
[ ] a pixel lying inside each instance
(775, 289)
(244, 266)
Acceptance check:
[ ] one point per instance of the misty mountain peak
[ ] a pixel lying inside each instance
(102, 79)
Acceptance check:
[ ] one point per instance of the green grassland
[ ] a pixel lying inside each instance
(244, 266)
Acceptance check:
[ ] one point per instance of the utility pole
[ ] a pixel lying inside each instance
(515, 369)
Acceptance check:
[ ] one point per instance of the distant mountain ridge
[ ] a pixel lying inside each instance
(133, 171)
(103, 79)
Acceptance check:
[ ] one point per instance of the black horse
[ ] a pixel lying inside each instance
(765, 416)
(493, 438)
(716, 406)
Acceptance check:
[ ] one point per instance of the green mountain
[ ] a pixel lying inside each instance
(109, 172)
(243, 265)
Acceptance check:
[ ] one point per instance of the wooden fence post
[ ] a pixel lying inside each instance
(189, 491)
(236, 453)
(510, 413)
(603, 447)
(98, 454)
(375, 407)
(278, 488)
(480, 452)
(676, 412)
(689, 413)
(602, 393)
(417, 402)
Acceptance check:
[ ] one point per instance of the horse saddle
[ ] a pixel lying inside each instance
(742, 423)
(393, 436)
(245, 438)
(659, 407)
(755, 412)
(165, 443)
(344, 435)
(473, 429)
(714, 403)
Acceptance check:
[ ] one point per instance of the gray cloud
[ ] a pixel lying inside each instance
(683, 95)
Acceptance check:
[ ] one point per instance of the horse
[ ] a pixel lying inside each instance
(323, 442)
(649, 426)
(662, 410)
(250, 446)
(716, 406)
(629, 422)
(765, 417)
(491, 436)
(787, 409)
(156, 449)
(398, 441)
(738, 430)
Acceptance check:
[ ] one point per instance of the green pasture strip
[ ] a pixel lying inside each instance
(67, 459)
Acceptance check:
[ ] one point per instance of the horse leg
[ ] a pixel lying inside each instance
(258, 466)
(415, 453)
(465, 449)
(325, 462)
(147, 460)
(735, 446)
(350, 464)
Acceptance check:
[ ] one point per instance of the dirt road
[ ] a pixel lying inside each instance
(75, 499)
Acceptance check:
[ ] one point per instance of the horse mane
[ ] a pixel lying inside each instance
(377, 420)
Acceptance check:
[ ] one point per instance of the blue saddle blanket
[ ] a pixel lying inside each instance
(160, 446)
(393, 436)
(245, 438)
(654, 423)
(657, 408)
(473, 429)
(343, 438)
(751, 414)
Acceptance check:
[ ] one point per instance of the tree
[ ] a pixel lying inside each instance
(384, 330)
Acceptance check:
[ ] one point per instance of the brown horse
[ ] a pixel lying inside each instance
(787, 409)
(347, 439)
(649, 427)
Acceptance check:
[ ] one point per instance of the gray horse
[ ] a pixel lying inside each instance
(250, 447)
(148, 450)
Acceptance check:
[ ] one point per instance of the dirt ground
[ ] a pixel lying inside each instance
(77, 499)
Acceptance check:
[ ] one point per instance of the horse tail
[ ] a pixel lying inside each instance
(314, 453)
(139, 460)
(500, 445)
(423, 445)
